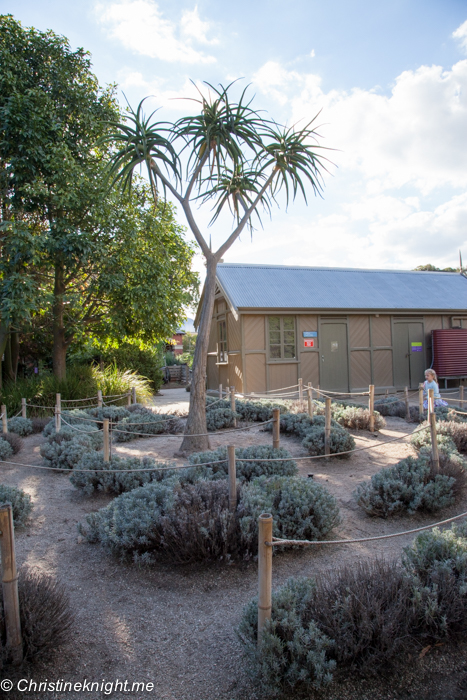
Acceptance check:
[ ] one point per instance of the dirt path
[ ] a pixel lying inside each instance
(175, 626)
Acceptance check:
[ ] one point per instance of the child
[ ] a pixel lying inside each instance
(431, 382)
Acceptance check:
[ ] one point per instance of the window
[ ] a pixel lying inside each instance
(282, 338)
(222, 342)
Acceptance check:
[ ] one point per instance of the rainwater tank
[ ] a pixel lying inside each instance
(450, 352)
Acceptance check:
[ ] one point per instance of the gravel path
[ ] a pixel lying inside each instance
(175, 626)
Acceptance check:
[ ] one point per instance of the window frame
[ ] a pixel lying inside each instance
(222, 343)
(282, 344)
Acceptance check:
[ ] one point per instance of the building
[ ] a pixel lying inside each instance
(176, 343)
(342, 329)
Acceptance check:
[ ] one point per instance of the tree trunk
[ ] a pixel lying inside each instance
(196, 422)
(8, 366)
(60, 345)
(4, 331)
(14, 344)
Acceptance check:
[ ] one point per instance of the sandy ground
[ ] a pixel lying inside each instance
(175, 626)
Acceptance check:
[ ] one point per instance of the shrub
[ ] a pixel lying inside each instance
(21, 503)
(457, 432)
(245, 470)
(6, 450)
(45, 614)
(64, 450)
(390, 406)
(357, 418)
(296, 424)
(38, 424)
(192, 522)
(422, 439)
(20, 426)
(302, 509)
(410, 485)
(117, 477)
(140, 424)
(219, 418)
(78, 418)
(340, 440)
(13, 440)
(112, 413)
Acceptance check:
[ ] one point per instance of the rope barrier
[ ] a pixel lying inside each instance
(178, 435)
(277, 541)
(116, 471)
(88, 398)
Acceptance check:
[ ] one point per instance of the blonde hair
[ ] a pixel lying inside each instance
(431, 371)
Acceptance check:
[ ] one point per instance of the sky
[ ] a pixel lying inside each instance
(387, 79)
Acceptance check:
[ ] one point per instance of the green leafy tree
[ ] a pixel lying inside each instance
(236, 160)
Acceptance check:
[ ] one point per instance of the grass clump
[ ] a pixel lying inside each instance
(20, 501)
(412, 485)
(245, 470)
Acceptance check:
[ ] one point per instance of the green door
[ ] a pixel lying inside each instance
(409, 354)
(334, 370)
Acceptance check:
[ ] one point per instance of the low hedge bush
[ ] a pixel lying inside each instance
(245, 470)
(422, 440)
(20, 426)
(192, 522)
(112, 413)
(340, 439)
(141, 424)
(356, 418)
(249, 411)
(219, 418)
(411, 485)
(14, 440)
(6, 450)
(390, 406)
(63, 450)
(76, 418)
(20, 501)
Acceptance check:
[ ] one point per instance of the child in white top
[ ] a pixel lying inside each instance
(431, 382)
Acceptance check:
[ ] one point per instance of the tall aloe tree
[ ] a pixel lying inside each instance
(235, 160)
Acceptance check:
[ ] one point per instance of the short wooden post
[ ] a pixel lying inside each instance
(105, 430)
(276, 428)
(99, 398)
(327, 428)
(434, 442)
(58, 402)
(300, 390)
(128, 398)
(407, 405)
(371, 407)
(14, 642)
(318, 395)
(461, 393)
(232, 479)
(431, 401)
(133, 394)
(264, 571)
(4, 419)
(58, 419)
(232, 403)
(23, 408)
(420, 402)
(220, 391)
(310, 400)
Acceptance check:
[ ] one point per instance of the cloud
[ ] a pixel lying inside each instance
(461, 35)
(141, 27)
(414, 136)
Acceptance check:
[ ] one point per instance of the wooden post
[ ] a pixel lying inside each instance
(4, 419)
(407, 405)
(58, 402)
(128, 398)
(327, 428)
(14, 641)
(431, 402)
(420, 402)
(264, 571)
(105, 429)
(434, 442)
(133, 394)
(99, 398)
(58, 419)
(461, 392)
(232, 403)
(232, 479)
(371, 407)
(23, 409)
(276, 428)
(318, 395)
(300, 391)
(220, 391)
(310, 400)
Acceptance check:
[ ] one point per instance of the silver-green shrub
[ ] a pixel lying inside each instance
(245, 470)
(249, 411)
(422, 439)
(20, 426)
(6, 450)
(142, 424)
(117, 476)
(390, 406)
(20, 501)
(112, 413)
(409, 485)
(219, 418)
(63, 450)
(356, 418)
(77, 418)
(340, 440)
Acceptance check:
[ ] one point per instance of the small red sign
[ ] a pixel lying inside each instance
(309, 343)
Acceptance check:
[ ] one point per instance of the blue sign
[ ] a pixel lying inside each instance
(310, 334)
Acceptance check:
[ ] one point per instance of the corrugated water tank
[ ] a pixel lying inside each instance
(450, 352)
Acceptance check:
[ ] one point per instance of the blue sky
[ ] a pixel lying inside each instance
(390, 79)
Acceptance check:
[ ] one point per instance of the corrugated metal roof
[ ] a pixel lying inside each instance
(282, 287)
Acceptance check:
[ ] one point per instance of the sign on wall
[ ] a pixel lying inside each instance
(310, 334)
(309, 343)
(416, 347)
